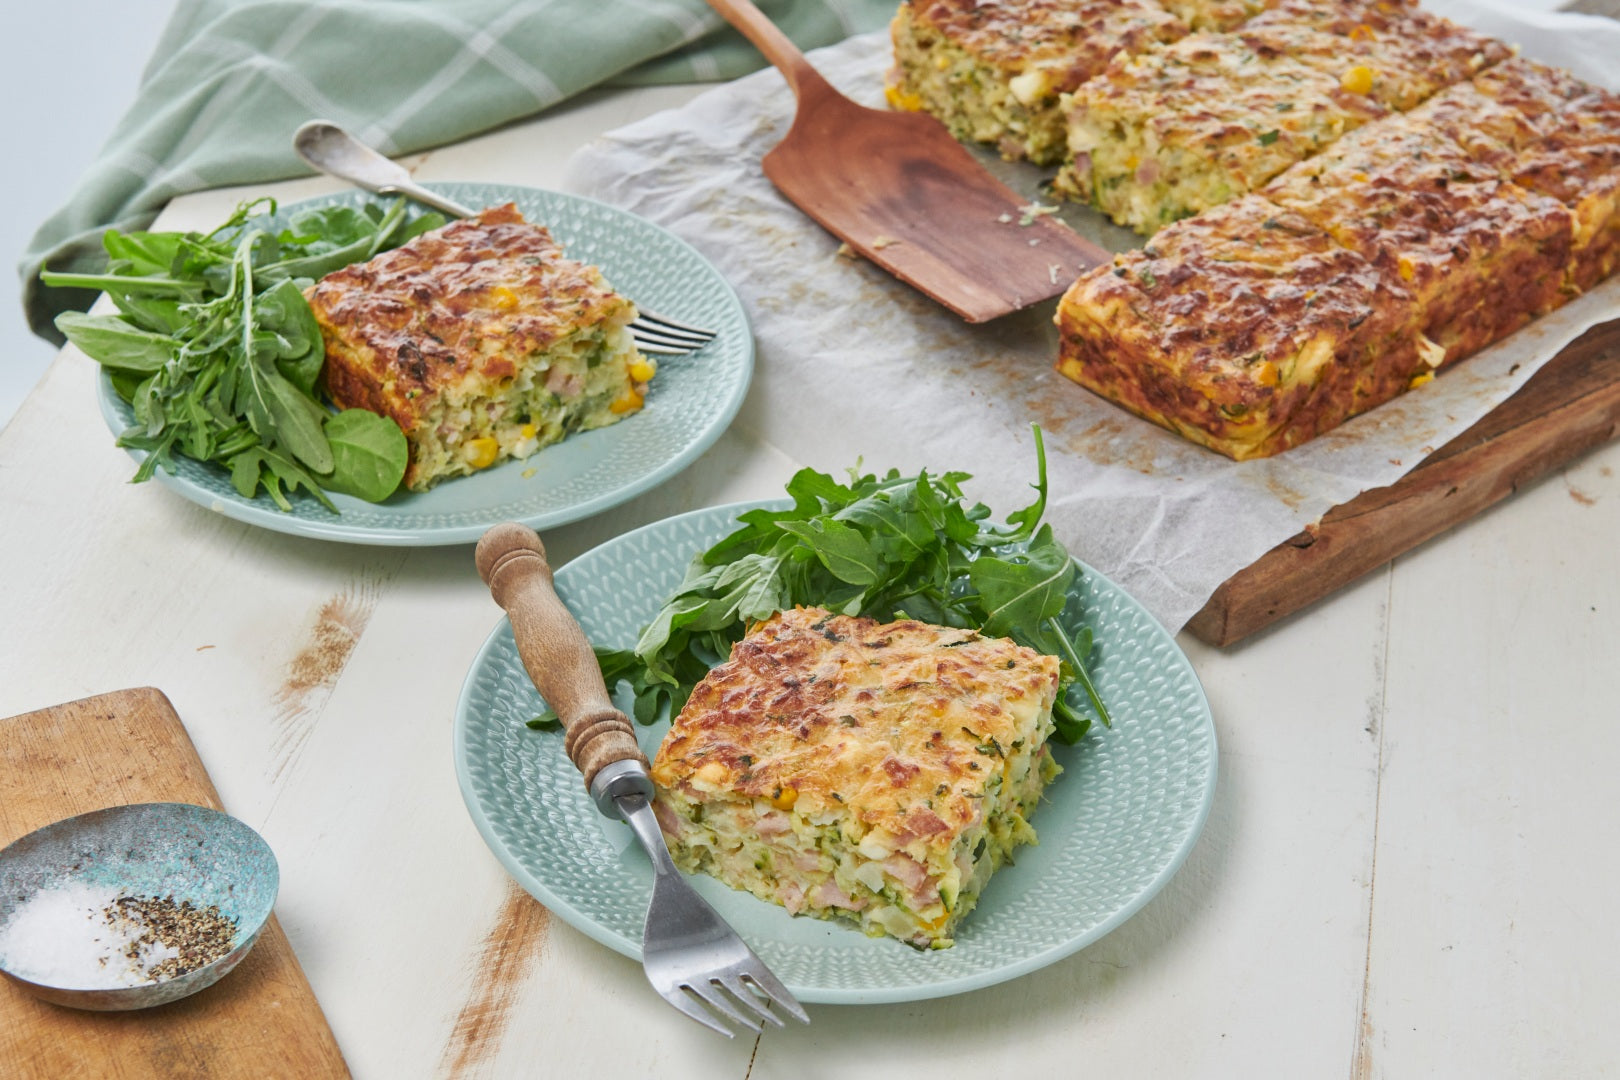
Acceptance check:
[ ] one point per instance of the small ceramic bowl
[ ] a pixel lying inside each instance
(140, 850)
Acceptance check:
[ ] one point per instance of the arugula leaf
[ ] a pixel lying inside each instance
(218, 354)
(877, 547)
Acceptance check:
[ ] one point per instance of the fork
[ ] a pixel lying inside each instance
(330, 149)
(691, 956)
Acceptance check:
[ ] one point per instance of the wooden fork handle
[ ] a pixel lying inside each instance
(555, 652)
(768, 38)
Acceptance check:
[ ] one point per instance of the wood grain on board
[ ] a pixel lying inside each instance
(1567, 408)
(260, 1020)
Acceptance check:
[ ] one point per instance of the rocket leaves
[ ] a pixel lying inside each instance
(219, 355)
(882, 547)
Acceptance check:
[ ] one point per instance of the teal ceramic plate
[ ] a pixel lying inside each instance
(1113, 829)
(689, 404)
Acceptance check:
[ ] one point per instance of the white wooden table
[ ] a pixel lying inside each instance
(1409, 870)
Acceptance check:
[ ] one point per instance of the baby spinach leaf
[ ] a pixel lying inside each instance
(115, 344)
(369, 455)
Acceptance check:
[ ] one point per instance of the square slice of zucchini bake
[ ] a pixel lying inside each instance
(482, 341)
(843, 768)
(1176, 130)
(993, 70)
(1247, 329)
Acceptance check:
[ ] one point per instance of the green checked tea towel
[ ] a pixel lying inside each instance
(231, 80)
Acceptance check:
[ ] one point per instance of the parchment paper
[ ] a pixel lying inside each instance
(854, 363)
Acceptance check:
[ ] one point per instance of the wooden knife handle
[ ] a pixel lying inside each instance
(555, 652)
(768, 38)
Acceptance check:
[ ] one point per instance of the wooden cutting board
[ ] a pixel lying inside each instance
(1568, 407)
(260, 1020)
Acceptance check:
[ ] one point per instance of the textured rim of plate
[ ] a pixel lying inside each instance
(732, 350)
(589, 924)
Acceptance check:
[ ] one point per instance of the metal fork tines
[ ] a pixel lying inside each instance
(692, 958)
(654, 333)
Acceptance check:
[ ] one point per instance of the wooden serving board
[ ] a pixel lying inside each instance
(260, 1020)
(1568, 407)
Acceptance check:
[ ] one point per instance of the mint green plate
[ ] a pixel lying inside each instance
(1113, 828)
(689, 404)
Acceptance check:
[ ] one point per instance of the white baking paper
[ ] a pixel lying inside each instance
(852, 363)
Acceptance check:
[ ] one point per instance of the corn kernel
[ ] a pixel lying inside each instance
(784, 799)
(1132, 162)
(1363, 33)
(1358, 80)
(528, 431)
(503, 298)
(1408, 268)
(1266, 374)
(1419, 380)
(480, 453)
(628, 402)
(899, 99)
(642, 371)
(941, 63)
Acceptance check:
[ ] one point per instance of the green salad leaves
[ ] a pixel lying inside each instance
(883, 547)
(217, 351)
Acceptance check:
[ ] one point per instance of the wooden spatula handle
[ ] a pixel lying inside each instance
(769, 39)
(555, 652)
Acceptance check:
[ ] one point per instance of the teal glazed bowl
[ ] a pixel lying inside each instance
(157, 850)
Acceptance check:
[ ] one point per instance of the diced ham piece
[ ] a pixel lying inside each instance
(1147, 172)
(906, 870)
(792, 896)
(828, 894)
(562, 384)
(666, 819)
(807, 860)
(774, 823)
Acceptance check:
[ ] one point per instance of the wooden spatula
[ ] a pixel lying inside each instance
(900, 191)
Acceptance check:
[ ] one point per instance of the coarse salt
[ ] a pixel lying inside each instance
(74, 937)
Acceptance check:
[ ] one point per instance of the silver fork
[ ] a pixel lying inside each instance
(330, 149)
(693, 959)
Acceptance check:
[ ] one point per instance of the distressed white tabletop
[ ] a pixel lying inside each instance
(1408, 870)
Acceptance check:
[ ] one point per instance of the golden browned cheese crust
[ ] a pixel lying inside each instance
(1216, 14)
(456, 310)
(888, 724)
(1404, 55)
(1576, 160)
(1071, 39)
(1496, 115)
(1482, 256)
(1246, 329)
(1549, 133)
(994, 71)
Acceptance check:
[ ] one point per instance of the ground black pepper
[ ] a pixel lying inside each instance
(198, 936)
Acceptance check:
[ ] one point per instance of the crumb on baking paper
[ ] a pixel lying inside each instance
(200, 648)
(1052, 272)
(1035, 242)
(846, 252)
(527, 473)
(1005, 219)
(881, 242)
(1034, 210)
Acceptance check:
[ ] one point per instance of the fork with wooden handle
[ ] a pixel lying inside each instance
(693, 959)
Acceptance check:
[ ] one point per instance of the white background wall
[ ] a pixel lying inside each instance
(71, 70)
